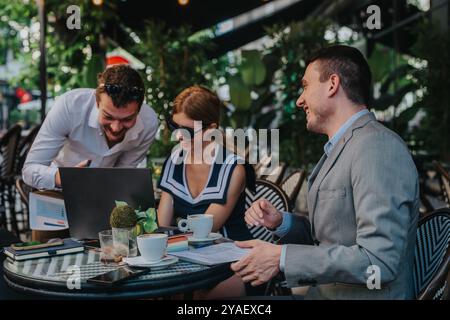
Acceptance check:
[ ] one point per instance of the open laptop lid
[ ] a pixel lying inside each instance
(90, 195)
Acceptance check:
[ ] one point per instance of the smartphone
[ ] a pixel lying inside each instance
(117, 276)
(35, 245)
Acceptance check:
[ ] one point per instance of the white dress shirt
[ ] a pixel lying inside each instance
(71, 133)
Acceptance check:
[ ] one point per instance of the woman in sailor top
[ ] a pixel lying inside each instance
(216, 189)
(202, 176)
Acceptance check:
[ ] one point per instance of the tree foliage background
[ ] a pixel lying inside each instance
(263, 84)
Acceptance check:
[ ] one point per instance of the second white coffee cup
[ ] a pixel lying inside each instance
(152, 246)
(200, 225)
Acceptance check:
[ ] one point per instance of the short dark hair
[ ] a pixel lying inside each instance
(123, 76)
(351, 67)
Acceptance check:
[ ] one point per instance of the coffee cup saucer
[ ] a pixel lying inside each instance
(154, 265)
(211, 237)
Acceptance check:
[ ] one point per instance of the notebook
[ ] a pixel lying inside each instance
(69, 246)
(177, 243)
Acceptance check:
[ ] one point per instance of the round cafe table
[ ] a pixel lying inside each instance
(49, 277)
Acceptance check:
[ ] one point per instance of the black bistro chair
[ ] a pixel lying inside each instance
(24, 194)
(23, 148)
(8, 161)
(444, 180)
(432, 256)
(276, 196)
(271, 192)
(22, 215)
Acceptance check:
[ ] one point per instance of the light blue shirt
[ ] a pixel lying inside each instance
(338, 135)
(285, 225)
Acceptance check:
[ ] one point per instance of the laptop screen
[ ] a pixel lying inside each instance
(90, 195)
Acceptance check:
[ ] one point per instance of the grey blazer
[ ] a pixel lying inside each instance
(363, 205)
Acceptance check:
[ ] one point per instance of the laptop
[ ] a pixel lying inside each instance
(90, 195)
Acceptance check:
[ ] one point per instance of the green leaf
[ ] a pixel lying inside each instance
(138, 229)
(94, 66)
(121, 203)
(398, 74)
(151, 213)
(150, 226)
(239, 93)
(141, 215)
(252, 69)
(380, 62)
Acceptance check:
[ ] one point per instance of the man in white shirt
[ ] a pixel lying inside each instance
(104, 127)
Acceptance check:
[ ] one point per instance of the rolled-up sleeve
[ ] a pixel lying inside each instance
(37, 170)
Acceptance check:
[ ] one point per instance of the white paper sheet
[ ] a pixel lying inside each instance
(47, 213)
(214, 254)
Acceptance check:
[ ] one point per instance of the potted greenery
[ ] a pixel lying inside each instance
(127, 223)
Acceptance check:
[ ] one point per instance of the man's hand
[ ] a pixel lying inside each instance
(82, 164)
(261, 264)
(262, 212)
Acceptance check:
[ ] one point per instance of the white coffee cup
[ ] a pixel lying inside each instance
(200, 224)
(152, 246)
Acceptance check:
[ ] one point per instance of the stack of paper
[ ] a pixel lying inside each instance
(214, 254)
(47, 211)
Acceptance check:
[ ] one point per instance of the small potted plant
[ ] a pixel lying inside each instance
(127, 223)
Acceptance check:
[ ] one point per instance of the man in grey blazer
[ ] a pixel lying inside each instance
(363, 197)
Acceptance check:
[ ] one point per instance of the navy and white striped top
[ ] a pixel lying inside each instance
(173, 181)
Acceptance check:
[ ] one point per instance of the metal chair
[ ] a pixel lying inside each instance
(292, 185)
(8, 155)
(24, 192)
(22, 215)
(262, 165)
(432, 256)
(23, 148)
(277, 174)
(272, 193)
